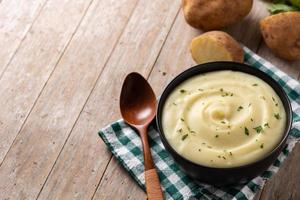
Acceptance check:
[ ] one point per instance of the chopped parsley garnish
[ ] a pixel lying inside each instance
(174, 104)
(251, 119)
(266, 125)
(216, 136)
(182, 119)
(224, 157)
(209, 147)
(277, 116)
(184, 137)
(199, 149)
(263, 97)
(224, 95)
(231, 94)
(230, 153)
(192, 131)
(249, 104)
(223, 122)
(221, 90)
(182, 91)
(273, 99)
(276, 104)
(239, 108)
(164, 73)
(179, 130)
(219, 156)
(200, 89)
(255, 84)
(246, 131)
(203, 143)
(258, 129)
(262, 146)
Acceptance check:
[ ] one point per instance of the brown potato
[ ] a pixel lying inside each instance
(215, 14)
(216, 46)
(281, 33)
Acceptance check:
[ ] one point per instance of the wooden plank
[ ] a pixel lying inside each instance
(173, 59)
(58, 107)
(247, 31)
(136, 51)
(119, 188)
(16, 18)
(22, 83)
(34, 62)
(84, 159)
(285, 184)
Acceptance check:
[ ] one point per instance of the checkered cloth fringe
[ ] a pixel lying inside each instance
(125, 145)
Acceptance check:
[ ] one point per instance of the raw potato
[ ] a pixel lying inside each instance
(281, 33)
(215, 14)
(216, 46)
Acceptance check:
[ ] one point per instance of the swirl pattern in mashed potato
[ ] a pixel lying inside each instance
(223, 119)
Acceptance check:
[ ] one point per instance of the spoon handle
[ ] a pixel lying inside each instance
(153, 188)
(152, 185)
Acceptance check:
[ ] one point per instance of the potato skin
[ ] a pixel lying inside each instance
(226, 41)
(215, 14)
(281, 33)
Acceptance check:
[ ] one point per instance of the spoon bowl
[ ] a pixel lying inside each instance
(137, 101)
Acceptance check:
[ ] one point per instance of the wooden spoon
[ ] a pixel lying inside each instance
(138, 109)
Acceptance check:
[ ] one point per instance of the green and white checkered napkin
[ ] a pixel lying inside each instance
(125, 144)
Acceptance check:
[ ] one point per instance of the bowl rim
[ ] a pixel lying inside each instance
(220, 66)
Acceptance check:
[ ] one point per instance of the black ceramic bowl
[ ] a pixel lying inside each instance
(224, 176)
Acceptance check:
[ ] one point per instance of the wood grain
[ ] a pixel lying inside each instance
(153, 185)
(58, 154)
(16, 18)
(20, 86)
(34, 62)
(117, 184)
(83, 152)
(84, 158)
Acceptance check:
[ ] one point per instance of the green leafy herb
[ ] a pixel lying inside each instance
(266, 125)
(255, 84)
(192, 131)
(273, 99)
(230, 153)
(223, 122)
(262, 146)
(239, 108)
(200, 89)
(182, 119)
(184, 137)
(251, 119)
(224, 157)
(280, 7)
(258, 129)
(231, 94)
(277, 116)
(199, 149)
(210, 147)
(174, 104)
(182, 91)
(276, 104)
(221, 90)
(179, 130)
(246, 131)
(249, 104)
(164, 73)
(216, 136)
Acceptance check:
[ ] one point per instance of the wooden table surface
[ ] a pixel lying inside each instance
(62, 63)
